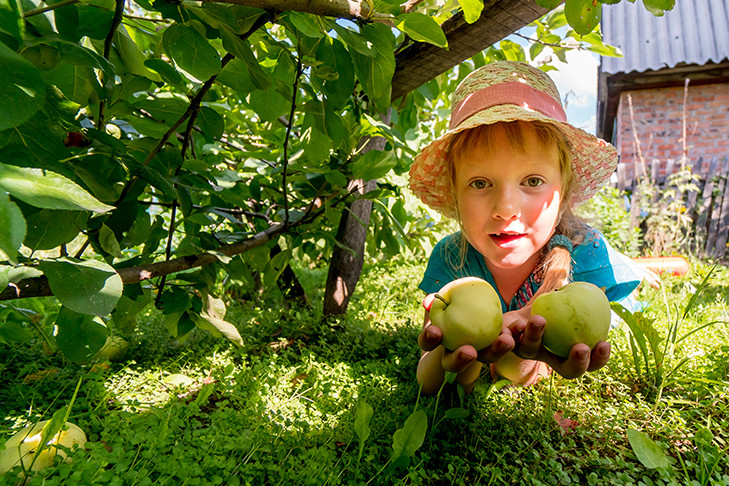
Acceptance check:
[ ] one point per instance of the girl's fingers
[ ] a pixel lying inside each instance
(459, 359)
(599, 356)
(531, 340)
(430, 338)
(575, 365)
(498, 349)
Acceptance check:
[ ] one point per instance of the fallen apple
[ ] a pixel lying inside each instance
(113, 349)
(468, 311)
(579, 312)
(21, 447)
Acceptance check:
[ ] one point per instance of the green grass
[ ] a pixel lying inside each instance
(282, 409)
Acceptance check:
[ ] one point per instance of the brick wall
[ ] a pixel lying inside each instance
(657, 121)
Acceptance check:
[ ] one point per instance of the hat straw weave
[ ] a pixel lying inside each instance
(507, 91)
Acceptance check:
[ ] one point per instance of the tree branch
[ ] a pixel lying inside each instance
(39, 287)
(48, 8)
(116, 21)
(286, 139)
(348, 9)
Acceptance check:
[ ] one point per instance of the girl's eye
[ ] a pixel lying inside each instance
(479, 184)
(534, 182)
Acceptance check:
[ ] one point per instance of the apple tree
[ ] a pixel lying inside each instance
(156, 152)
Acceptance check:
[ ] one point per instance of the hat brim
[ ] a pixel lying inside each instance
(593, 159)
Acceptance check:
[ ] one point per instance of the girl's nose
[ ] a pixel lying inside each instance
(506, 205)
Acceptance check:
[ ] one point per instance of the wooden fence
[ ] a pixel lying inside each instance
(708, 207)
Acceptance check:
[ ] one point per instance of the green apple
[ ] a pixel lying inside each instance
(113, 349)
(23, 445)
(468, 311)
(579, 312)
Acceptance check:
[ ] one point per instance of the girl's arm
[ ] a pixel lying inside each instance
(465, 361)
(527, 331)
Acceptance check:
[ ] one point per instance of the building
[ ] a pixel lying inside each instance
(673, 80)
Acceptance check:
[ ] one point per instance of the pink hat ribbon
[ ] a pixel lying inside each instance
(510, 93)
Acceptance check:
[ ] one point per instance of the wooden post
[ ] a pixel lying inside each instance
(703, 211)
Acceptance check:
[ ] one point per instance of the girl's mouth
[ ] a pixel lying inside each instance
(504, 238)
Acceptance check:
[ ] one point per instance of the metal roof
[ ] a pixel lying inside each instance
(694, 32)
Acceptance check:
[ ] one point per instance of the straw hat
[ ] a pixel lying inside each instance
(508, 91)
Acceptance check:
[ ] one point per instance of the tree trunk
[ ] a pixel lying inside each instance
(346, 264)
(347, 260)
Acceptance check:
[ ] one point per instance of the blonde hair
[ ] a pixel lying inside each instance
(556, 265)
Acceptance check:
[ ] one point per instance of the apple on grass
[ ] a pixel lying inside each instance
(468, 311)
(579, 312)
(23, 446)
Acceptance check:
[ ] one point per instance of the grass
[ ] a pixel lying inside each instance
(283, 408)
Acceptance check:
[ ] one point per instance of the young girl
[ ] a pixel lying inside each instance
(510, 170)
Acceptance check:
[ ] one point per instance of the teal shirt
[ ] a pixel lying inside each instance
(593, 261)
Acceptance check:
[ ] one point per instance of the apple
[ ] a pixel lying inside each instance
(579, 312)
(113, 349)
(22, 446)
(468, 311)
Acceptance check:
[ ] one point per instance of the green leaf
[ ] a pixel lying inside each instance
(13, 228)
(48, 228)
(46, 189)
(50, 429)
(84, 286)
(10, 274)
(336, 179)
(211, 123)
(174, 301)
(22, 90)
(334, 58)
(471, 9)
(410, 437)
(79, 55)
(423, 28)
(375, 70)
(108, 242)
(191, 51)
(362, 417)
(79, 336)
(11, 20)
(275, 267)
(374, 164)
(583, 15)
(659, 7)
(456, 413)
(95, 18)
(269, 104)
(248, 62)
(548, 4)
(213, 312)
(169, 74)
(133, 300)
(649, 453)
(132, 56)
(77, 83)
(306, 24)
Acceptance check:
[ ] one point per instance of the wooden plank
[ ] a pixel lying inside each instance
(713, 227)
(703, 209)
(420, 62)
(723, 229)
(691, 199)
(624, 184)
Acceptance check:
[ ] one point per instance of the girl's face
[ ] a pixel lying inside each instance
(509, 200)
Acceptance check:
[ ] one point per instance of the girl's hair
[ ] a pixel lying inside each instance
(556, 265)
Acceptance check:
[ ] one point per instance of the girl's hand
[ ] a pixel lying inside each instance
(580, 359)
(457, 360)
(528, 330)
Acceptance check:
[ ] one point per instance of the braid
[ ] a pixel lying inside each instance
(557, 262)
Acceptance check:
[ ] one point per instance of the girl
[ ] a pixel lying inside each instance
(510, 169)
